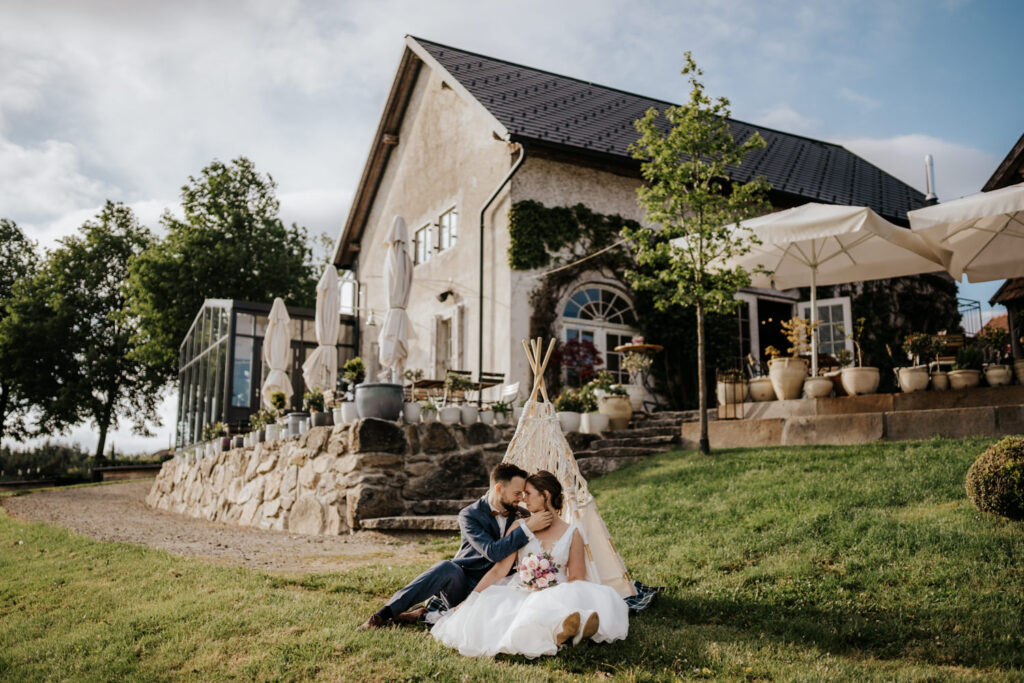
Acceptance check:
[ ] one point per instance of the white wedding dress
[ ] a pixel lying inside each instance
(514, 619)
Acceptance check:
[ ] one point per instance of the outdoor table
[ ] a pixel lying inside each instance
(431, 384)
(645, 375)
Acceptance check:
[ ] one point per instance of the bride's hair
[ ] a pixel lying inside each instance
(542, 480)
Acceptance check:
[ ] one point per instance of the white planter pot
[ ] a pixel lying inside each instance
(570, 421)
(817, 387)
(339, 418)
(428, 415)
(593, 423)
(469, 414)
(212, 447)
(913, 379)
(1018, 369)
(860, 381)
(997, 375)
(349, 412)
(273, 432)
(450, 415)
(636, 396)
(411, 412)
(487, 417)
(964, 379)
(787, 375)
(501, 419)
(731, 392)
(617, 409)
(761, 389)
(940, 381)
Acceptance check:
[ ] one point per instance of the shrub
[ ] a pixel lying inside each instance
(995, 482)
(569, 401)
(968, 358)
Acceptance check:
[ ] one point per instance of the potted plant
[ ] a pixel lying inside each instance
(259, 422)
(313, 400)
(966, 371)
(731, 387)
(353, 373)
(568, 407)
(428, 411)
(637, 365)
(411, 410)
(859, 380)
(788, 373)
(218, 434)
(579, 357)
(612, 400)
(940, 378)
(455, 382)
(592, 421)
(993, 341)
(760, 385)
(502, 412)
(486, 415)
(915, 378)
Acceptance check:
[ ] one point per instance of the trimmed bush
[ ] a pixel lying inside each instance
(995, 482)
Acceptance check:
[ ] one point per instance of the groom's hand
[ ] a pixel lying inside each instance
(539, 520)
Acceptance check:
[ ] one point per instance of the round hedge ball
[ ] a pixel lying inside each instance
(995, 482)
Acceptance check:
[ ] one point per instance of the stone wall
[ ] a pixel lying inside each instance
(329, 479)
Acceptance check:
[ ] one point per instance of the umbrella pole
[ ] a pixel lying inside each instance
(814, 319)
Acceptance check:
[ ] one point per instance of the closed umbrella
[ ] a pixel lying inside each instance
(277, 352)
(396, 332)
(984, 232)
(825, 244)
(320, 371)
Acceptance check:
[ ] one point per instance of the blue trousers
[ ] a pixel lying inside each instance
(445, 579)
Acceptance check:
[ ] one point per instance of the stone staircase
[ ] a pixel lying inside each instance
(596, 454)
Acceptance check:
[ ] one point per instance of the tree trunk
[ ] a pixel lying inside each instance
(4, 394)
(103, 422)
(702, 391)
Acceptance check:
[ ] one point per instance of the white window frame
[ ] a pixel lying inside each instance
(423, 236)
(448, 235)
(597, 328)
(804, 311)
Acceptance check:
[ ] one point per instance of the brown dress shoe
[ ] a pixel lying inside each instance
(570, 627)
(412, 616)
(375, 621)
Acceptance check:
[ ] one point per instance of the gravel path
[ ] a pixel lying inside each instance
(118, 512)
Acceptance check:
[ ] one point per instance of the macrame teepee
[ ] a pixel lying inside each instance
(539, 444)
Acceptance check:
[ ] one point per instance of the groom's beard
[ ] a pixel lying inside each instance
(511, 509)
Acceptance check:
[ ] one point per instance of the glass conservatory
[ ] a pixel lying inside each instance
(221, 369)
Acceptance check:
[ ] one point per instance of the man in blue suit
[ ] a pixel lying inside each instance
(484, 542)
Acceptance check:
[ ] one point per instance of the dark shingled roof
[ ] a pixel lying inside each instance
(540, 106)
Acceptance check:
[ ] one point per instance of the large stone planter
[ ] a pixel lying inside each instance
(787, 376)
(940, 381)
(761, 389)
(964, 379)
(731, 392)
(593, 423)
(1018, 369)
(817, 387)
(860, 381)
(997, 375)
(617, 409)
(411, 412)
(569, 421)
(381, 400)
(913, 379)
(450, 415)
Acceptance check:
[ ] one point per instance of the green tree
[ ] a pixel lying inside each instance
(689, 194)
(18, 261)
(230, 244)
(73, 332)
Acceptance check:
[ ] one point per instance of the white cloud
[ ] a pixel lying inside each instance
(44, 181)
(863, 101)
(784, 118)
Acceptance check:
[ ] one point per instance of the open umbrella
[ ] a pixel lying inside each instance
(320, 371)
(396, 332)
(277, 352)
(984, 232)
(825, 244)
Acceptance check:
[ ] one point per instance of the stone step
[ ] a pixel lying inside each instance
(624, 452)
(642, 431)
(475, 492)
(440, 506)
(643, 441)
(412, 523)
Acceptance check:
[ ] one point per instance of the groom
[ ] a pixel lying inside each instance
(483, 525)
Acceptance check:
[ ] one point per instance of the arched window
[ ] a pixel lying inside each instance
(604, 317)
(600, 305)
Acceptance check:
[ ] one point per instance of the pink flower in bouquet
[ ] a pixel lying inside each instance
(538, 571)
(541, 582)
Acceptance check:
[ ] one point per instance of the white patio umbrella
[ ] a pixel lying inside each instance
(396, 332)
(320, 371)
(984, 232)
(826, 244)
(277, 352)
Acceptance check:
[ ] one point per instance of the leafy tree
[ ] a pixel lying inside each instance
(231, 244)
(74, 334)
(18, 260)
(689, 194)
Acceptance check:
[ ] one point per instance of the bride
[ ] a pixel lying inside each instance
(543, 605)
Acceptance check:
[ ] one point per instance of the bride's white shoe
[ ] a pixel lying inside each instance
(589, 628)
(570, 628)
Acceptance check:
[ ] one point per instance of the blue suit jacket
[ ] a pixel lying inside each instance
(482, 543)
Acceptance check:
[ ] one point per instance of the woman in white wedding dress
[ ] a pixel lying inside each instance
(505, 615)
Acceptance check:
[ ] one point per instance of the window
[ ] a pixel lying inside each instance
(835, 317)
(422, 245)
(449, 229)
(601, 305)
(241, 381)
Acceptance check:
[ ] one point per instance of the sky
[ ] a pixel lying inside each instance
(126, 100)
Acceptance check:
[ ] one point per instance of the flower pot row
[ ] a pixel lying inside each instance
(613, 413)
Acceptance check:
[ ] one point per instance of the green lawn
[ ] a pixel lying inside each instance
(813, 563)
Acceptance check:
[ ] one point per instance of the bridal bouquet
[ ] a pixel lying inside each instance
(538, 571)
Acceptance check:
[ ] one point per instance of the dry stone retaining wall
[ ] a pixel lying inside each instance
(330, 478)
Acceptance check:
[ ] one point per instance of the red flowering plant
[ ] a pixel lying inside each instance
(579, 358)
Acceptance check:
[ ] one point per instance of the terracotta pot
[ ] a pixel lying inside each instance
(1018, 369)
(964, 379)
(817, 387)
(487, 417)
(411, 412)
(617, 409)
(469, 414)
(997, 375)
(569, 420)
(940, 381)
(859, 381)
(761, 389)
(731, 392)
(450, 415)
(593, 423)
(913, 379)
(787, 376)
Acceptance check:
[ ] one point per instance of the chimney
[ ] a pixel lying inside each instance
(929, 181)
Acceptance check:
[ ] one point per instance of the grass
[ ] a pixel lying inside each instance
(816, 563)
